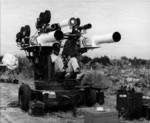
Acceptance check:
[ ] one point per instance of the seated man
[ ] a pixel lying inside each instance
(57, 62)
(73, 69)
(59, 68)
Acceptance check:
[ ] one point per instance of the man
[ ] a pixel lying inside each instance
(73, 69)
(70, 72)
(57, 61)
(59, 68)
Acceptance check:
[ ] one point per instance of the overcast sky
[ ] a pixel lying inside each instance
(129, 17)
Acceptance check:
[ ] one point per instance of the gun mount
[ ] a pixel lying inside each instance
(39, 48)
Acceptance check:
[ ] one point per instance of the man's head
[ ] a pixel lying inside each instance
(68, 57)
(56, 48)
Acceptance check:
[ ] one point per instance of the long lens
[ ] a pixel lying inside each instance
(84, 27)
(58, 35)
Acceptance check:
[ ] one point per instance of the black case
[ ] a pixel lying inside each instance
(36, 108)
(129, 104)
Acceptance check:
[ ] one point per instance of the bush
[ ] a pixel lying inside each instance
(85, 59)
(25, 67)
(104, 60)
(138, 62)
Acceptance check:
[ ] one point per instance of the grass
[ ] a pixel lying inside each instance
(25, 67)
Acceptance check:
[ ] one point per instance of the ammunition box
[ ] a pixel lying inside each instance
(36, 108)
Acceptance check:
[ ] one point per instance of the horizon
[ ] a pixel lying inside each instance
(110, 57)
(130, 18)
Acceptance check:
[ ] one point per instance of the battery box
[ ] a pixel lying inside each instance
(36, 108)
(129, 105)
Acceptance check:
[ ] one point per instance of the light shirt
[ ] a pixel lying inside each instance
(53, 57)
(72, 65)
(59, 65)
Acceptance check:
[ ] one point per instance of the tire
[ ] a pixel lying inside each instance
(24, 96)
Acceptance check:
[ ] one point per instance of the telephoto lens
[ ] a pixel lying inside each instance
(84, 27)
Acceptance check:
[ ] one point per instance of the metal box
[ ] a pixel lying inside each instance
(36, 108)
(146, 100)
(129, 105)
(101, 117)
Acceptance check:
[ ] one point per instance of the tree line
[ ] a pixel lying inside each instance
(105, 61)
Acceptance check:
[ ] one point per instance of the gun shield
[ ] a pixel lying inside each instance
(108, 38)
(51, 37)
(68, 22)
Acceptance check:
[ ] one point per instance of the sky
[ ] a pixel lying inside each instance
(129, 17)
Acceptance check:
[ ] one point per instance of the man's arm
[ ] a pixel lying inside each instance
(59, 66)
(75, 65)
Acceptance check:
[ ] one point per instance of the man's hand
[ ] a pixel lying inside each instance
(68, 75)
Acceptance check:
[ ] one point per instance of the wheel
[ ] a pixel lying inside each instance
(24, 96)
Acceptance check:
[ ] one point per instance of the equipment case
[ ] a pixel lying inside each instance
(129, 105)
(101, 117)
